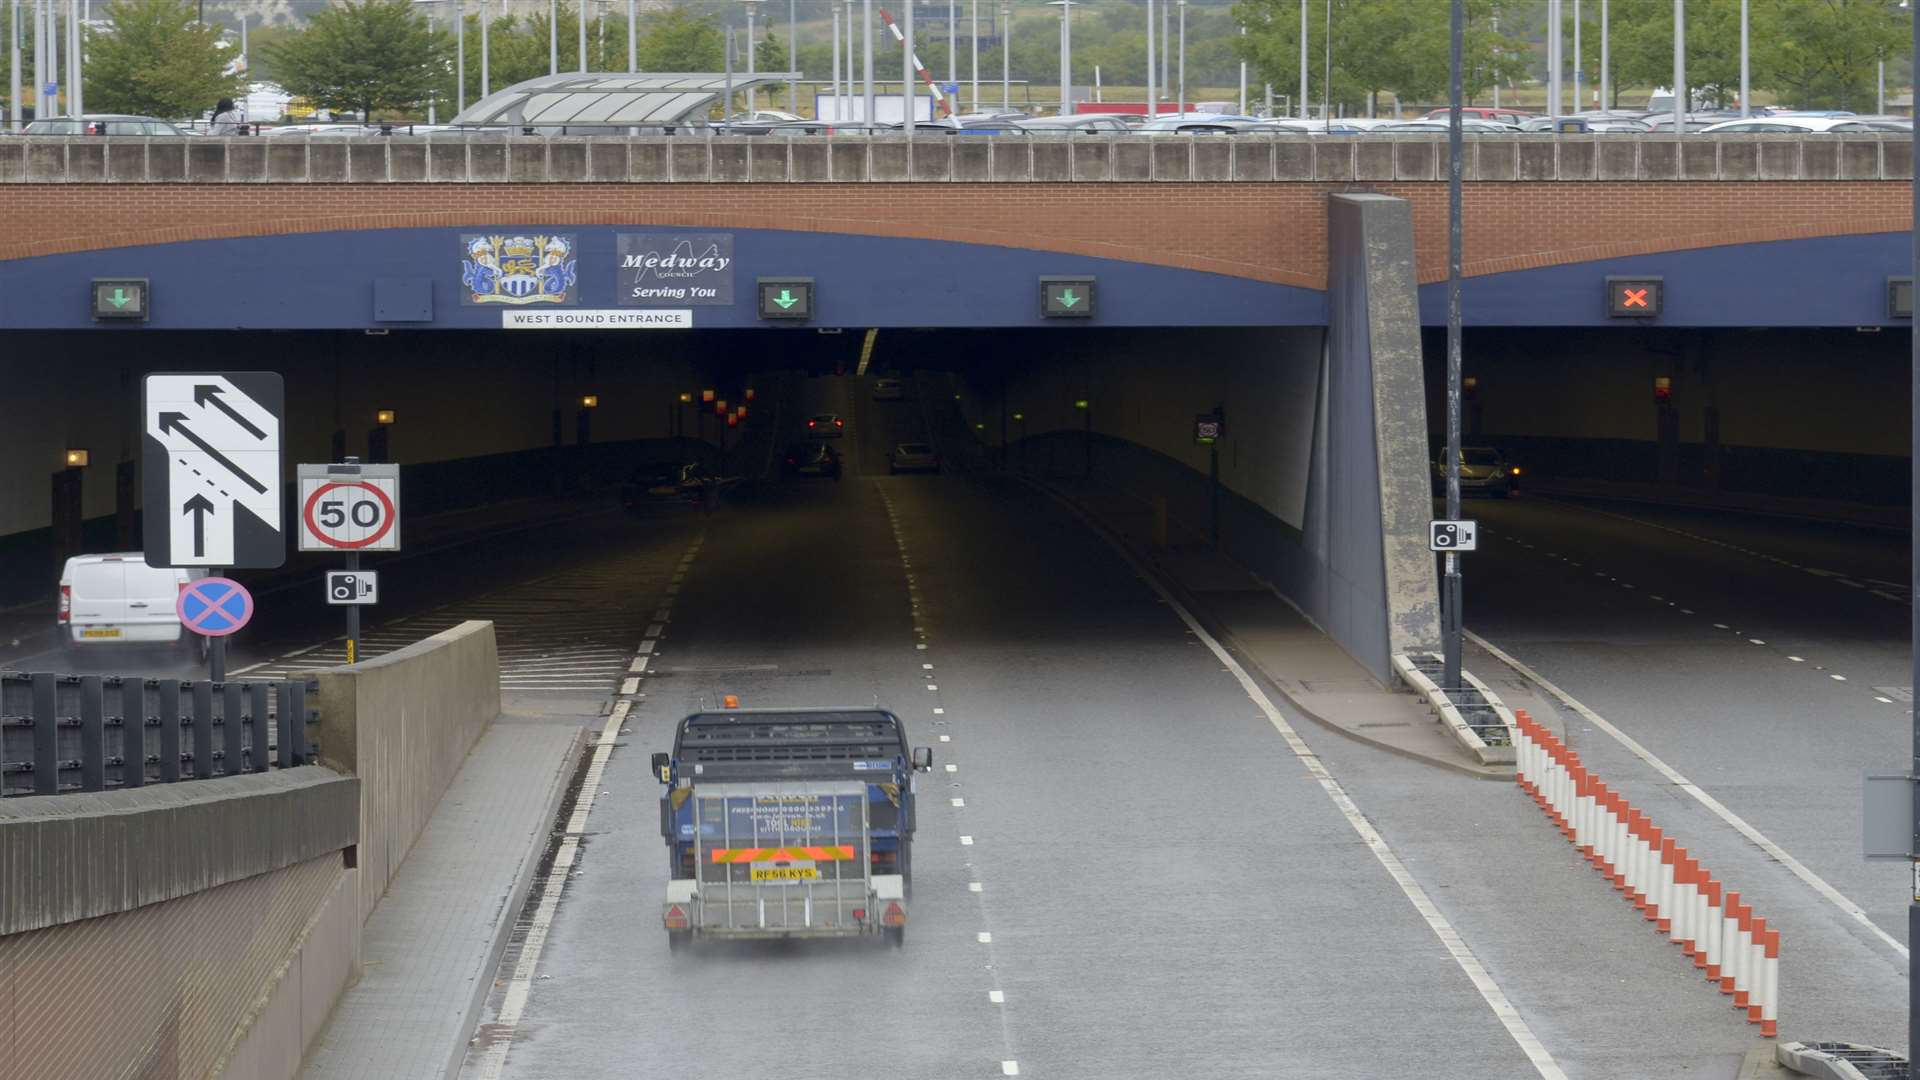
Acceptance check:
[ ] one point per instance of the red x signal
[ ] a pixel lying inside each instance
(1634, 297)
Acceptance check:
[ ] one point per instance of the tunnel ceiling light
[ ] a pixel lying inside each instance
(1020, 416)
(78, 459)
(706, 396)
(685, 398)
(383, 416)
(590, 401)
(749, 394)
(1082, 404)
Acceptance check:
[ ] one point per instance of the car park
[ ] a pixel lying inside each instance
(118, 600)
(913, 457)
(826, 426)
(811, 459)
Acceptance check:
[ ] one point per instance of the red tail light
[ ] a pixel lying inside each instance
(895, 915)
(837, 422)
(66, 603)
(810, 423)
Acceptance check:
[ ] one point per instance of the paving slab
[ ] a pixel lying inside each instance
(431, 946)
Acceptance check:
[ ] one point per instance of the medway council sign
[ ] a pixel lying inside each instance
(674, 269)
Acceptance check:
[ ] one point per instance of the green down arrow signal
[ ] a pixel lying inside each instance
(786, 299)
(1067, 299)
(120, 298)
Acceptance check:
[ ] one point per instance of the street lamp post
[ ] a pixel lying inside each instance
(1606, 60)
(1066, 53)
(753, 41)
(1553, 59)
(1153, 98)
(459, 52)
(1302, 108)
(1579, 91)
(1450, 610)
(13, 66)
(976, 55)
(553, 37)
(1243, 79)
(582, 21)
(866, 42)
(908, 92)
(1680, 93)
(793, 59)
(1006, 57)
(1183, 55)
(1746, 85)
(837, 99)
(633, 37)
(486, 81)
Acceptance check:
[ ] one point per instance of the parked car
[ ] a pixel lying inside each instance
(811, 459)
(1791, 125)
(102, 124)
(118, 600)
(912, 457)
(1483, 112)
(1074, 125)
(826, 426)
(1468, 125)
(1483, 471)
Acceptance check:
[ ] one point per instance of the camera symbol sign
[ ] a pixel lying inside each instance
(353, 587)
(350, 512)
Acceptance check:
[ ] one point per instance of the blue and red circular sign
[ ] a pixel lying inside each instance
(214, 607)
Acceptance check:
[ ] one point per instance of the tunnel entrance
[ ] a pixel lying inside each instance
(1687, 413)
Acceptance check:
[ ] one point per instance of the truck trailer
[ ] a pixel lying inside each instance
(788, 823)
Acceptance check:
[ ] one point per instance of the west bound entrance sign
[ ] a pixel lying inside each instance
(675, 269)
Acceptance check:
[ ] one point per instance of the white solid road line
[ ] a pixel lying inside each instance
(1450, 939)
(1759, 839)
(513, 1003)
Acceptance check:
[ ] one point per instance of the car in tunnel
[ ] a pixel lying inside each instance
(826, 426)
(913, 457)
(811, 459)
(889, 389)
(1483, 471)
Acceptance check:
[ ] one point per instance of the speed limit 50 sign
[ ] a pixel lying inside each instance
(349, 508)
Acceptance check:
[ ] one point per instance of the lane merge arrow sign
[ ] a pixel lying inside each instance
(211, 465)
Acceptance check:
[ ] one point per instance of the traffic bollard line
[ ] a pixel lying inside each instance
(1736, 949)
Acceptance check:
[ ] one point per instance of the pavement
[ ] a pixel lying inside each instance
(430, 946)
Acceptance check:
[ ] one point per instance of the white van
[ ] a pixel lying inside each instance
(120, 600)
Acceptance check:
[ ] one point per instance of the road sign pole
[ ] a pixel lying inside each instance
(1450, 601)
(1213, 493)
(353, 615)
(217, 647)
(1913, 907)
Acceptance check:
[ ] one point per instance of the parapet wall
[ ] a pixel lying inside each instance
(143, 932)
(403, 723)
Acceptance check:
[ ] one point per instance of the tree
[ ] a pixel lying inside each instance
(1400, 46)
(157, 60)
(364, 56)
(1824, 53)
(677, 41)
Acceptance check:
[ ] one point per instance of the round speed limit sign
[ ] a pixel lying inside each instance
(350, 513)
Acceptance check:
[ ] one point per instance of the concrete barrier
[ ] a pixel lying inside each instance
(403, 723)
(150, 932)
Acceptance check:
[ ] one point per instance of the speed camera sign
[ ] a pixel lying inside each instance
(349, 508)
(1452, 535)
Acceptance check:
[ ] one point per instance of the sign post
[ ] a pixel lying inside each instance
(210, 455)
(214, 607)
(350, 507)
(1208, 430)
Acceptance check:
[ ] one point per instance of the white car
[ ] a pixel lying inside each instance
(1790, 125)
(118, 599)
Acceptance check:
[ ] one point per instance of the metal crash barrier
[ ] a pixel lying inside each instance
(1738, 951)
(69, 733)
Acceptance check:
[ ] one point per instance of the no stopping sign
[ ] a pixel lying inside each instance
(350, 513)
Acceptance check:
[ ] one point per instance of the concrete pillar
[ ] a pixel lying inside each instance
(1374, 586)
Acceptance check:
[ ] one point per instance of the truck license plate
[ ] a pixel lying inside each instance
(786, 873)
(111, 632)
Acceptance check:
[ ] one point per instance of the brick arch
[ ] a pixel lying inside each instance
(1271, 232)
(1059, 218)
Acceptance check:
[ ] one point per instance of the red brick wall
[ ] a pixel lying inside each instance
(1269, 232)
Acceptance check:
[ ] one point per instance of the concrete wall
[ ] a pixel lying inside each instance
(403, 724)
(1325, 459)
(152, 933)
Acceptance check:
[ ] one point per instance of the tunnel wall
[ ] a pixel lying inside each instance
(1821, 413)
(1324, 461)
(181, 930)
(403, 723)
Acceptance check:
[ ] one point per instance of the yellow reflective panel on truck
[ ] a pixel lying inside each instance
(832, 853)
